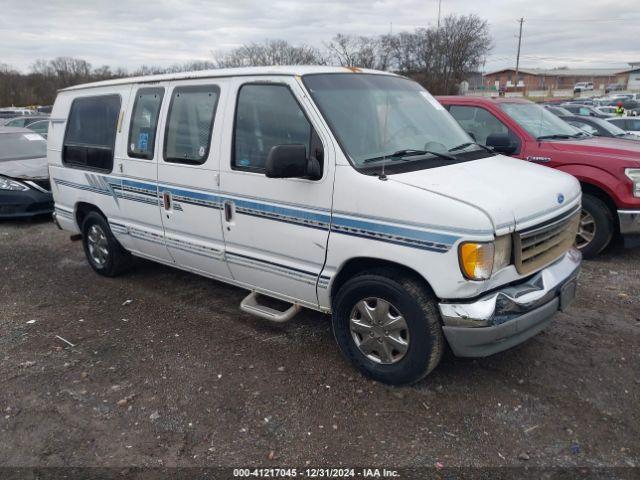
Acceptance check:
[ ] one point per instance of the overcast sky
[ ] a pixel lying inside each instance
(128, 33)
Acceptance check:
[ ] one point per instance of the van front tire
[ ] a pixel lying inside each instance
(104, 253)
(387, 325)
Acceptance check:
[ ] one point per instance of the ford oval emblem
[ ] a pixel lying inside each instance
(560, 198)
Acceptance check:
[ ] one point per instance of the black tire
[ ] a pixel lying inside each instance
(414, 302)
(603, 222)
(117, 259)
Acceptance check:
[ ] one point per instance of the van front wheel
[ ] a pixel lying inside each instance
(387, 324)
(105, 255)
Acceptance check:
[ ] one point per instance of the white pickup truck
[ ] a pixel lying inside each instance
(347, 191)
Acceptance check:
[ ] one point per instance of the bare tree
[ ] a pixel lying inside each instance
(438, 58)
(353, 51)
(271, 52)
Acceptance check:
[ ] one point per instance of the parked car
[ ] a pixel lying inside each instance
(621, 96)
(24, 121)
(24, 177)
(628, 124)
(6, 115)
(584, 110)
(606, 110)
(608, 168)
(578, 101)
(351, 193)
(598, 127)
(558, 111)
(582, 87)
(40, 126)
(631, 107)
(614, 87)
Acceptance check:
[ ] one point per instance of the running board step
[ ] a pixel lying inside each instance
(250, 305)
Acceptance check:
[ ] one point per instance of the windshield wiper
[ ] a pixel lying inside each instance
(410, 153)
(555, 136)
(468, 144)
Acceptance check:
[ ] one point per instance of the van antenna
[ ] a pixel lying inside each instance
(384, 139)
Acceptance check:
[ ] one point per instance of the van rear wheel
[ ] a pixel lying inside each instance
(387, 324)
(104, 253)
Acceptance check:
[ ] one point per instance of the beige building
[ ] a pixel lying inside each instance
(563, 78)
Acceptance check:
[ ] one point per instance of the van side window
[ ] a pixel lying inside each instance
(189, 124)
(144, 122)
(91, 133)
(266, 115)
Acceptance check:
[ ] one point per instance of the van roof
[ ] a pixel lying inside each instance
(293, 70)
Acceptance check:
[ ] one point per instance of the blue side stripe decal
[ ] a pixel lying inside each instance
(386, 232)
(398, 235)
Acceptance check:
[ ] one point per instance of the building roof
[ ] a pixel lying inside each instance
(228, 72)
(567, 72)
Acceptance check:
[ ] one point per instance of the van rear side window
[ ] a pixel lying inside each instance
(144, 122)
(91, 133)
(189, 124)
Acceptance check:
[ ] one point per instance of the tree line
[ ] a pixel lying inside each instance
(437, 57)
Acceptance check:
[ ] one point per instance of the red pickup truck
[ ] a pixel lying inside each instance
(607, 168)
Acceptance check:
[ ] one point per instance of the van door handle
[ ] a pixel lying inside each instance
(166, 200)
(228, 211)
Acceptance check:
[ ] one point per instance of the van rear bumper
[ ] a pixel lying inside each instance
(511, 315)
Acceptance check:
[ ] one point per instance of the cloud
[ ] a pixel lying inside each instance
(131, 33)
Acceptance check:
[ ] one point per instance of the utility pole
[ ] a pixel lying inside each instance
(518, 56)
(439, 10)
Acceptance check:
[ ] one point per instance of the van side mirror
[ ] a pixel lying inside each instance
(287, 161)
(501, 143)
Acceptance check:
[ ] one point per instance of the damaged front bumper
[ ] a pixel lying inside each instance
(511, 315)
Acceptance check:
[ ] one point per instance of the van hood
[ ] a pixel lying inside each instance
(25, 169)
(512, 193)
(605, 147)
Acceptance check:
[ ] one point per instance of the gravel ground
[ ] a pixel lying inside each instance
(166, 371)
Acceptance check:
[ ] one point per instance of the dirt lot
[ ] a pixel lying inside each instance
(180, 377)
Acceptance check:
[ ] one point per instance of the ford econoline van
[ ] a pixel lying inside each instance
(351, 192)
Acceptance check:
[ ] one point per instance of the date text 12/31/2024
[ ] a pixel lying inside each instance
(315, 473)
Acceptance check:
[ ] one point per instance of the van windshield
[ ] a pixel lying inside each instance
(383, 118)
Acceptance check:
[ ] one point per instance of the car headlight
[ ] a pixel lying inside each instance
(8, 184)
(479, 260)
(633, 174)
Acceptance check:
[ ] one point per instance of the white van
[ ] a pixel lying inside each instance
(351, 192)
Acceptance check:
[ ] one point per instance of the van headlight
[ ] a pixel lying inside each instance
(479, 260)
(633, 174)
(8, 184)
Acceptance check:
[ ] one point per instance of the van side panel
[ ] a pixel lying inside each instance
(72, 185)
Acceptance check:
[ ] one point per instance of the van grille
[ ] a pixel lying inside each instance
(536, 247)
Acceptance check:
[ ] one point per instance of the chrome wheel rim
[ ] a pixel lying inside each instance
(379, 330)
(98, 245)
(586, 229)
